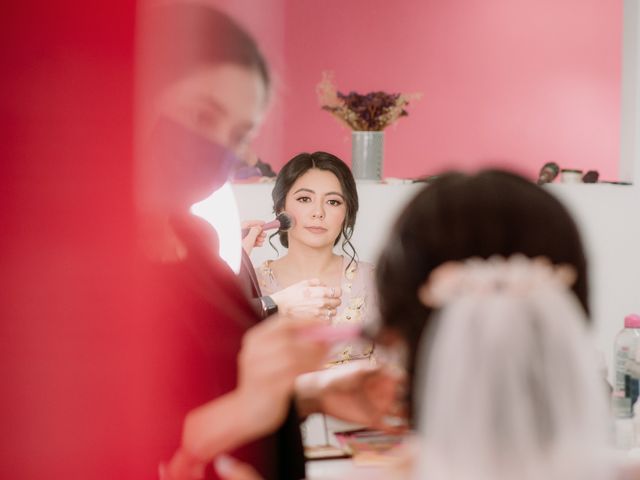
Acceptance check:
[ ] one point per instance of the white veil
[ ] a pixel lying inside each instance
(510, 385)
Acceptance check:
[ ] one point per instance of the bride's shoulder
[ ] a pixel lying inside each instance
(366, 266)
(358, 268)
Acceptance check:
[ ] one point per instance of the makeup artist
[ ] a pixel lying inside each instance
(205, 88)
(207, 85)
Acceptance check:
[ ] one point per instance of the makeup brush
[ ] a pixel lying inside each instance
(282, 222)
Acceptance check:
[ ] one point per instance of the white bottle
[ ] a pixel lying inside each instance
(625, 434)
(635, 451)
(636, 423)
(627, 368)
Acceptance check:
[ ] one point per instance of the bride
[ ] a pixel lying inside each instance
(318, 191)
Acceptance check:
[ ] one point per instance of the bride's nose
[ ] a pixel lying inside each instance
(318, 211)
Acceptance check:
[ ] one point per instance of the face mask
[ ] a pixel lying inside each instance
(184, 167)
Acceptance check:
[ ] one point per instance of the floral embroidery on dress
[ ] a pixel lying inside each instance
(352, 312)
(351, 271)
(346, 353)
(350, 275)
(266, 278)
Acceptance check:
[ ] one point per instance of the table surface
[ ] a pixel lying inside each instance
(338, 469)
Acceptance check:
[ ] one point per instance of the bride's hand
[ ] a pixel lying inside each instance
(308, 299)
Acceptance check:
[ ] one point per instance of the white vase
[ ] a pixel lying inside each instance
(367, 149)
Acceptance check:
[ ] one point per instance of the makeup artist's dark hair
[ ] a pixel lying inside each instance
(178, 38)
(459, 216)
(301, 164)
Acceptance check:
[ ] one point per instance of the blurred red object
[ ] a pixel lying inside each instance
(67, 239)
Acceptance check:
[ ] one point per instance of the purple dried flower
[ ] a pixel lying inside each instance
(372, 111)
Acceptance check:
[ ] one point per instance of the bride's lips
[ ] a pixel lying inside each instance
(316, 229)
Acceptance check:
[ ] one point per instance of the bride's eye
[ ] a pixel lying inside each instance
(334, 203)
(303, 199)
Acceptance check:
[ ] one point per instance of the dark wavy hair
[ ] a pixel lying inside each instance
(458, 216)
(301, 164)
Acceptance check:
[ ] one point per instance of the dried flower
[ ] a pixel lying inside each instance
(371, 112)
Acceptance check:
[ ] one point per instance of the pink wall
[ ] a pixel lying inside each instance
(518, 80)
(266, 22)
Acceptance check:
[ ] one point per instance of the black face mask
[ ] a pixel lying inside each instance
(185, 167)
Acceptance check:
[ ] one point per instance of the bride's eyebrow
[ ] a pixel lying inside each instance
(335, 193)
(304, 190)
(311, 191)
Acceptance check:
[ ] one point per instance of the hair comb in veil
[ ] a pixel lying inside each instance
(517, 275)
(508, 379)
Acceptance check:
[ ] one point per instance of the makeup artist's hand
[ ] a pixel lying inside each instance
(255, 237)
(308, 299)
(228, 468)
(274, 353)
(358, 393)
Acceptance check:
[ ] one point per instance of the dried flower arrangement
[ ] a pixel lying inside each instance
(371, 112)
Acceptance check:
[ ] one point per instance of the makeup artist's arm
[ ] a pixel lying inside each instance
(357, 393)
(273, 354)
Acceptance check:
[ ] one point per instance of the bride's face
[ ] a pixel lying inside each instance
(316, 202)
